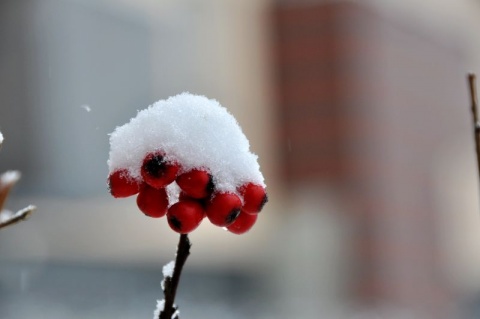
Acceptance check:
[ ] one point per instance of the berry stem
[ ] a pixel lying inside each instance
(171, 283)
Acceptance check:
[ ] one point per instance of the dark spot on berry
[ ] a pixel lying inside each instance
(175, 223)
(210, 186)
(264, 201)
(232, 215)
(155, 166)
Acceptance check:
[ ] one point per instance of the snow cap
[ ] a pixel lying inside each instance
(192, 130)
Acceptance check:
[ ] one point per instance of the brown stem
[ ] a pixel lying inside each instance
(476, 123)
(171, 283)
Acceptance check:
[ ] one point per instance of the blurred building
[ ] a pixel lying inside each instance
(367, 102)
(358, 112)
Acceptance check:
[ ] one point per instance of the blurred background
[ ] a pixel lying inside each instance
(359, 113)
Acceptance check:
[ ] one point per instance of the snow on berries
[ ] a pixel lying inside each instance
(186, 157)
(254, 197)
(157, 171)
(196, 183)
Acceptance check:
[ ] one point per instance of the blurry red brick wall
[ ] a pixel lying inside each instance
(358, 93)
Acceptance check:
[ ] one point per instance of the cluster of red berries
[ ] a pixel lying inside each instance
(197, 199)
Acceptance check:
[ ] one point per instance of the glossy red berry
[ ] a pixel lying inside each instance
(185, 216)
(157, 172)
(121, 184)
(202, 201)
(243, 223)
(152, 202)
(254, 198)
(223, 209)
(196, 183)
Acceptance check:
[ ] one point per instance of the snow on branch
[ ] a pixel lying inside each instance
(7, 181)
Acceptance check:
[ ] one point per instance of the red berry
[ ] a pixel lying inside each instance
(223, 209)
(184, 196)
(254, 198)
(157, 172)
(185, 216)
(243, 223)
(121, 184)
(152, 202)
(196, 183)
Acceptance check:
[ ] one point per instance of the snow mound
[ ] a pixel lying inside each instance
(195, 132)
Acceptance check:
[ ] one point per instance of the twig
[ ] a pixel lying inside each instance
(7, 181)
(19, 216)
(7, 218)
(171, 283)
(476, 123)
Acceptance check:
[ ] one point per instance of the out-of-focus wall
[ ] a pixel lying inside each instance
(453, 168)
(369, 96)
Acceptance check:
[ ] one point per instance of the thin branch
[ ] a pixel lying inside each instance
(19, 216)
(171, 283)
(7, 181)
(476, 123)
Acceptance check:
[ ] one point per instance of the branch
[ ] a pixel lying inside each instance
(7, 218)
(476, 123)
(7, 181)
(171, 283)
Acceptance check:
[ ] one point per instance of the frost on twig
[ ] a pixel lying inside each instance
(8, 218)
(161, 306)
(159, 309)
(7, 181)
(166, 309)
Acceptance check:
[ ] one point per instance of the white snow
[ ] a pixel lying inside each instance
(168, 269)
(176, 314)
(26, 210)
(5, 215)
(9, 177)
(173, 190)
(159, 308)
(167, 272)
(192, 130)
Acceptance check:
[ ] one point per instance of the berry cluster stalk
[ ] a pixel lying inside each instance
(171, 283)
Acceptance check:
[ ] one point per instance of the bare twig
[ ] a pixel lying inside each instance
(476, 123)
(171, 283)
